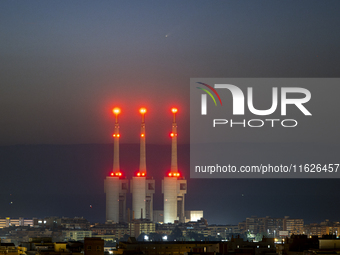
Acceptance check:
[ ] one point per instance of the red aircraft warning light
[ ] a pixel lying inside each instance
(174, 174)
(174, 111)
(116, 135)
(142, 111)
(139, 174)
(116, 110)
(117, 174)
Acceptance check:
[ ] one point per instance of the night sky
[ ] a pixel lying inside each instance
(65, 64)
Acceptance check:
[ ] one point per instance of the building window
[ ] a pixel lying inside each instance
(124, 186)
(98, 248)
(89, 247)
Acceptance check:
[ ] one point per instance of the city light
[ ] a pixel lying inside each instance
(142, 135)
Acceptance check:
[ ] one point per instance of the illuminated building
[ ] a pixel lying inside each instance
(116, 185)
(293, 226)
(140, 226)
(111, 231)
(76, 235)
(174, 186)
(193, 215)
(142, 187)
(11, 249)
(8, 222)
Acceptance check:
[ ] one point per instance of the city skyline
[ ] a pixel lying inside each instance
(65, 65)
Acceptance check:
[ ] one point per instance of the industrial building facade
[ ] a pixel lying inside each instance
(142, 186)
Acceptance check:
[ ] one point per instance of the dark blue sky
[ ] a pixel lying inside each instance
(65, 64)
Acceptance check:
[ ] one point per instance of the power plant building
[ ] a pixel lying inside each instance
(116, 186)
(142, 186)
(174, 187)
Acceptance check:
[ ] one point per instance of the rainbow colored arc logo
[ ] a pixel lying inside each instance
(209, 93)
